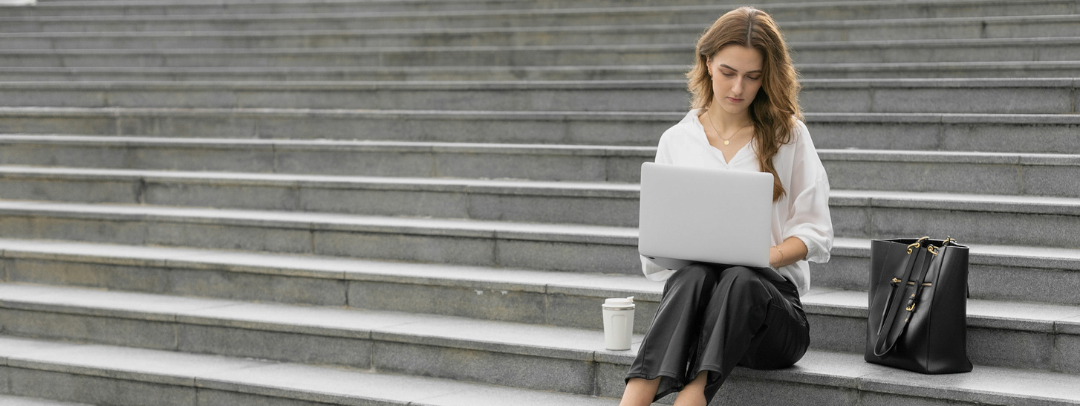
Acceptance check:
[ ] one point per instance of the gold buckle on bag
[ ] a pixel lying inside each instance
(916, 244)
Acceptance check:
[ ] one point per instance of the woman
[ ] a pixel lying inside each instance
(711, 317)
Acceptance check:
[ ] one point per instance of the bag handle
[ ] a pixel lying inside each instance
(889, 332)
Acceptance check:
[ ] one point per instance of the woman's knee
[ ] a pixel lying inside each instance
(743, 279)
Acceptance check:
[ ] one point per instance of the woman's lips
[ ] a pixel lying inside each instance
(734, 100)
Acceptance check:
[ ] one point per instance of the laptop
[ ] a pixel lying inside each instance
(691, 214)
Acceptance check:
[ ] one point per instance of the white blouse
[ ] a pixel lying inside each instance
(803, 211)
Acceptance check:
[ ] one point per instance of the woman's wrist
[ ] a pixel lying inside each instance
(778, 260)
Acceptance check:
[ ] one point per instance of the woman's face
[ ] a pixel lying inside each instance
(736, 77)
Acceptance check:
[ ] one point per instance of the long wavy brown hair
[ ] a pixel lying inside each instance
(776, 106)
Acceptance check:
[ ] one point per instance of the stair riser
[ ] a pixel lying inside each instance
(375, 162)
(378, 350)
(853, 218)
(988, 278)
(391, 74)
(1033, 51)
(569, 372)
(988, 344)
(844, 174)
(476, 202)
(985, 346)
(1033, 137)
(507, 36)
(97, 389)
(901, 10)
(917, 29)
(435, 246)
(459, 202)
(828, 133)
(976, 227)
(510, 74)
(531, 304)
(816, 98)
(673, 35)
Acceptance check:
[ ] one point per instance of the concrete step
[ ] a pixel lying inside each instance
(359, 38)
(535, 198)
(364, 158)
(543, 73)
(130, 376)
(1024, 69)
(985, 96)
(553, 202)
(24, 401)
(831, 22)
(997, 274)
(864, 8)
(910, 51)
(609, 33)
(821, 377)
(136, 164)
(1010, 220)
(144, 129)
(1003, 334)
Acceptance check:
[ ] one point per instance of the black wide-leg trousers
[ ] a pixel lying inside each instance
(713, 317)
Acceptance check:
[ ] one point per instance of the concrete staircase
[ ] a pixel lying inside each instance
(424, 202)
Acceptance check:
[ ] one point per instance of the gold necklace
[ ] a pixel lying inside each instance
(712, 122)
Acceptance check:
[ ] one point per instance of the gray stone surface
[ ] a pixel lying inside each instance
(250, 101)
(24, 401)
(95, 389)
(982, 132)
(784, 11)
(290, 347)
(1044, 69)
(107, 330)
(485, 366)
(1026, 96)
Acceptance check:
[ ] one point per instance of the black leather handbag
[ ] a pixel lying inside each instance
(918, 305)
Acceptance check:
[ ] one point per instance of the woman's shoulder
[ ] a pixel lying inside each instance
(799, 133)
(686, 128)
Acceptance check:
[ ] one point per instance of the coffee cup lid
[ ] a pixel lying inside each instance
(620, 302)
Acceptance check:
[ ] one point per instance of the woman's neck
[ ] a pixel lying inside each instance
(727, 122)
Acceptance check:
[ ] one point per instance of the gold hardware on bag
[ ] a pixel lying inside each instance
(895, 280)
(911, 308)
(932, 249)
(916, 244)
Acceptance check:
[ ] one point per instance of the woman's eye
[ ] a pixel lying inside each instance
(753, 77)
(727, 74)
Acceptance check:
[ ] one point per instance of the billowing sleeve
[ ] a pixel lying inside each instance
(809, 219)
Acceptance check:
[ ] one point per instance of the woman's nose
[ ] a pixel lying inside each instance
(736, 88)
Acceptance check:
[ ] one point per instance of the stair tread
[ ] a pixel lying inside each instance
(268, 378)
(983, 384)
(1041, 317)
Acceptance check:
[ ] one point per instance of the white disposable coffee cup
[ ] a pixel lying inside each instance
(618, 322)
